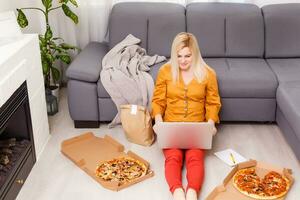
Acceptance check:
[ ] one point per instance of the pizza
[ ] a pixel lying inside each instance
(272, 186)
(122, 170)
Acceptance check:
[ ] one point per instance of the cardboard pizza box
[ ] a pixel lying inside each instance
(227, 191)
(87, 151)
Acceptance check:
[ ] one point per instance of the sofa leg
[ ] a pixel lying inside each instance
(86, 124)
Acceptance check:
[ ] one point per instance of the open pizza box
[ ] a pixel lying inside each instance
(227, 191)
(87, 151)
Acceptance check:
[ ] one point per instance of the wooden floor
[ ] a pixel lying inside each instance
(54, 177)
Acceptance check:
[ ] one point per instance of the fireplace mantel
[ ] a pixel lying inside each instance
(20, 61)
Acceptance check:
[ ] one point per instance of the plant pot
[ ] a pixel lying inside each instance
(54, 91)
(52, 99)
(52, 103)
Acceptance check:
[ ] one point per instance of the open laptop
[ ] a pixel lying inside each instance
(184, 135)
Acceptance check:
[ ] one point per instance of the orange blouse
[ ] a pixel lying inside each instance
(195, 102)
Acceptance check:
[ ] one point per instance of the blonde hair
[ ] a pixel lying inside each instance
(199, 67)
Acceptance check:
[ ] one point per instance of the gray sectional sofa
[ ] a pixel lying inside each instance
(255, 53)
(282, 53)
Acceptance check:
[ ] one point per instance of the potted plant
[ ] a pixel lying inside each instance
(52, 48)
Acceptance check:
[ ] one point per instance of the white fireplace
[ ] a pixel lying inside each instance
(20, 61)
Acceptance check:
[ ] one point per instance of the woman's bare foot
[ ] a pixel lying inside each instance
(178, 194)
(191, 194)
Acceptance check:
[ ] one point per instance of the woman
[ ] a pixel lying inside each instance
(186, 90)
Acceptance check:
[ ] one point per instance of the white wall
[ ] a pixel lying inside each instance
(257, 2)
(261, 3)
(4, 5)
(33, 16)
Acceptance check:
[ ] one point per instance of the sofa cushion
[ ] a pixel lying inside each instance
(288, 100)
(227, 29)
(122, 24)
(102, 93)
(282, 29)
(87, 65)
(147, 22)
(161, 31)
(244, 78)
(155, 68)
(82, 100)
(286, 69)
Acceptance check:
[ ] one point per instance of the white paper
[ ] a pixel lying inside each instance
(225, 156)
(133, 109)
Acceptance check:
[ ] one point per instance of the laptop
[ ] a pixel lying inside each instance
(184, 135)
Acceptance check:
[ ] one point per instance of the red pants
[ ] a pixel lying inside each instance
(194, 159)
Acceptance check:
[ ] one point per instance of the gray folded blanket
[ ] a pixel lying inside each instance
(125, 75)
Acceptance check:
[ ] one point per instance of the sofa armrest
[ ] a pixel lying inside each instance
(88, 64)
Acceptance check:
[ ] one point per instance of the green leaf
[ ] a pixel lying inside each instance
(65, 58)
(42, 46)
(66, 46)
(45, 64)
(45, 67)
(49, 57)
(57, 38)
(56, 48)
(22, 20)
(60, 50)
(74, 2)
(69, 13)
(41, 38)
(52, 44)
(48, 34)
(47, 3)
(43, 42)
(55, 74)
(66, 1)
(43, 49)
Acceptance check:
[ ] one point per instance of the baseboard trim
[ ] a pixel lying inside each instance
(86, 124)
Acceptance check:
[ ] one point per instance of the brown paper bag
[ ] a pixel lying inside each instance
(137, 124)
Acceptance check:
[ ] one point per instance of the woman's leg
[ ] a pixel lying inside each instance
(194, 159)
(173, 168)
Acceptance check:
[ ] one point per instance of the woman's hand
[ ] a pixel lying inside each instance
(210, 121)
(158, 118)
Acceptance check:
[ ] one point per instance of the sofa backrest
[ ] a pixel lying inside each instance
(156, 24)
(282, 29)
(227, 29)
